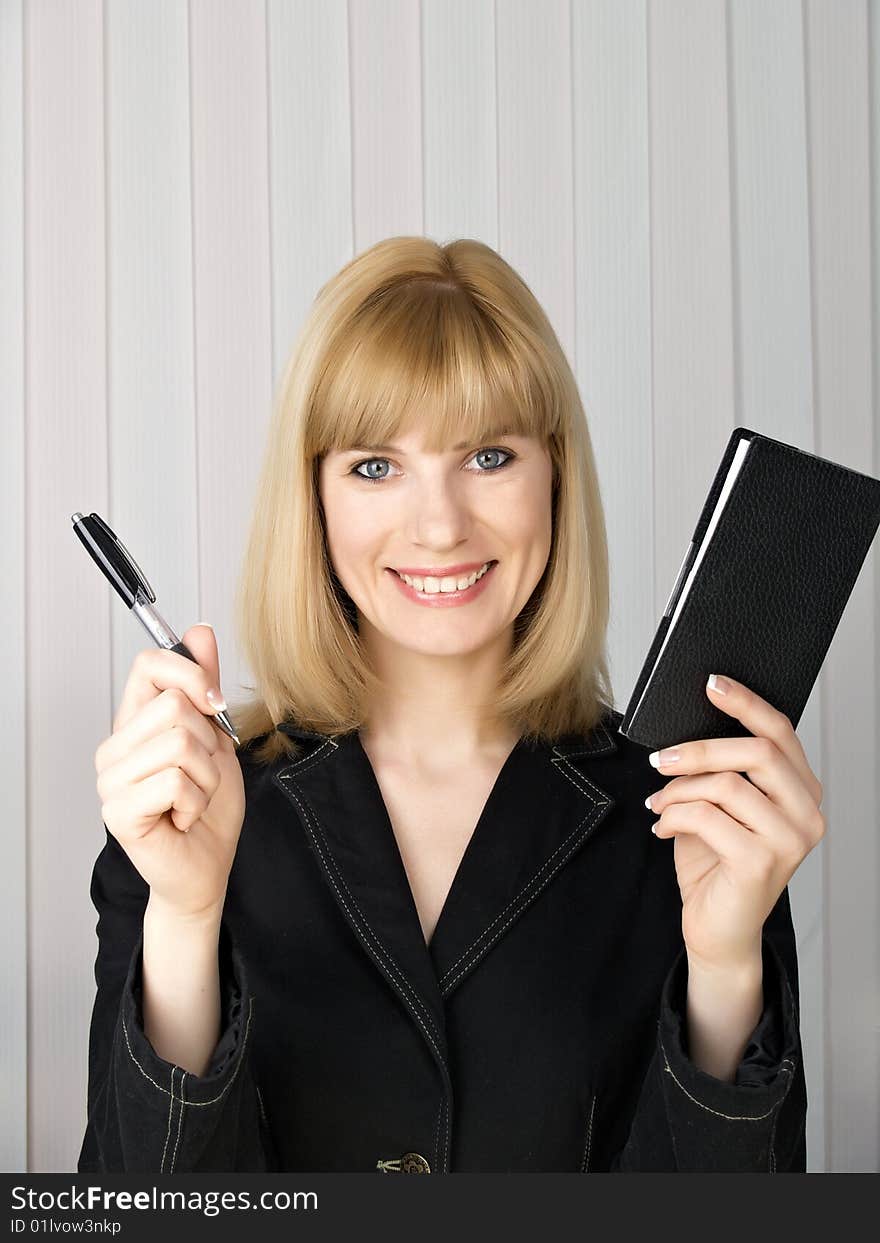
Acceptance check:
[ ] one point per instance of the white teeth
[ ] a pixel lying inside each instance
(432, 586)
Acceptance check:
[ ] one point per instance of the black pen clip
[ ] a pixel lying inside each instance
(110, 547)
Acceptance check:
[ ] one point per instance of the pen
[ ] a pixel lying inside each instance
(126, 577)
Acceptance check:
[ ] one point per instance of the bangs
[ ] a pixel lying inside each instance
(424, 356)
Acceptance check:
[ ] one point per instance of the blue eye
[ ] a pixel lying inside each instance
(356, 469)
(506, 454)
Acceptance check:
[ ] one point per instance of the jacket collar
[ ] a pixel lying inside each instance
(542, 808)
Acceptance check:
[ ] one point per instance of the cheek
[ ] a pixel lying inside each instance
(351, 532)
(339, 522)
(531, 516)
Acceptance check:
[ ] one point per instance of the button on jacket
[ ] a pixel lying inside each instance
(542, 1029)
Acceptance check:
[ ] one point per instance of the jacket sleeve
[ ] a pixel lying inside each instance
(145, 1114)
(689, 1121)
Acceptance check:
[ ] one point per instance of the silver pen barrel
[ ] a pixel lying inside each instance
(163, 636)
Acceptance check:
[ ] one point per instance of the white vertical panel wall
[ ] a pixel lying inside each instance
(686, 186)
(68, 648)
(838, 153)
(459, 120)
(310, 201)
(13, 749)
(152, 442)
(232, 285)
(535, 210)
(613, 352)
(386, 122)
(774, 383)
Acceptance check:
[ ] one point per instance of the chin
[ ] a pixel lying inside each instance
(461, 644)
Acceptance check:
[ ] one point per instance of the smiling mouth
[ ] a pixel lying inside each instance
(421, 583)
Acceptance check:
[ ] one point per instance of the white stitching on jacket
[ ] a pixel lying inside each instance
(387, 962)
(444, 1165)
(390, 965)
(524, 895)
(192, 1104)
(310, 814)
(437, 1134)
(728, 1117)
(262, 1109)
(472, 950)
(179, 1122)
(315, 757)
(170, 1111)
(575, 777)
(585, 1163)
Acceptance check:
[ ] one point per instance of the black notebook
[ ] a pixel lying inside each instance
(774, 557)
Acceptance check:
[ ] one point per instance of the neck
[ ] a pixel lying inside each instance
(436, 709)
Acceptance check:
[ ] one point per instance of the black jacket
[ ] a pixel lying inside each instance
(543, 1029)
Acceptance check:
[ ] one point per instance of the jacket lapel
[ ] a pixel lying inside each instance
(541, 810)
(340, 805)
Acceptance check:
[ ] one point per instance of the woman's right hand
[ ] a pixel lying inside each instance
(169, 779)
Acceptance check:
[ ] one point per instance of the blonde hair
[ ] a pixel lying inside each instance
(450, 340)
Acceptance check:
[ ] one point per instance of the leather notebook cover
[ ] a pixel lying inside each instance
(774, 557)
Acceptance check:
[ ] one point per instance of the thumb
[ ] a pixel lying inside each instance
(202, 642)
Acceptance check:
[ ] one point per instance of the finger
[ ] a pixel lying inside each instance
(763, 720)
(743, 802)
(170, 707)
(170, 789)
(176, 748)
(734, 845)
(156, 669)
(772, 782)
(202, 642)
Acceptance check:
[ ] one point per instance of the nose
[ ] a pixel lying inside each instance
(439, 516)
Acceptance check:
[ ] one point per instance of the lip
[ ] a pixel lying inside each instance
(448, 571)
(444, 599)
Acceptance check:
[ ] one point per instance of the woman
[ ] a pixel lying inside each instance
(417, 922)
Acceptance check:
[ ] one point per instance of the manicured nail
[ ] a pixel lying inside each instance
(215, 699)
(668, 756)
(718, 684)
(648, 801)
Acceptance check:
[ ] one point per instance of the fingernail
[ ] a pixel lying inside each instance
(215, 699)
(668, 756)
(208, 624)
(648, 801)
(717, 683)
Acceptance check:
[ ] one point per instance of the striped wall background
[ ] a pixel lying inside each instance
(689, 186)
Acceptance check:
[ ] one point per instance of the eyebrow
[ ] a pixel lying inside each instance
(466, 444)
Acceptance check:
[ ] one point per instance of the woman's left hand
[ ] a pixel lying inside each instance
(737, 842)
